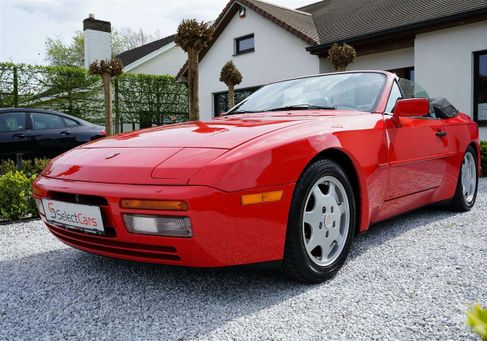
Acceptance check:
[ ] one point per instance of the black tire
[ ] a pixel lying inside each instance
(459, 203)
(297, 263)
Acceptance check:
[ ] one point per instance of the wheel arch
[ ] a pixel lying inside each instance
(351, 169)
(476, 148)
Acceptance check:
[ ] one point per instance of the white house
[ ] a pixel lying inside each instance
(442, 44)
(160, 57)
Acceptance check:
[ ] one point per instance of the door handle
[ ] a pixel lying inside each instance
(65, 132)
(441, 133)
(18, 136)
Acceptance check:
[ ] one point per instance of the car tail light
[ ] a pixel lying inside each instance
(158, 225)
(103, 133)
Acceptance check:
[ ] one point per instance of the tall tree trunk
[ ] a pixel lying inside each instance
(231, 96)
(107, 91)
(194, 111)
(194, 114)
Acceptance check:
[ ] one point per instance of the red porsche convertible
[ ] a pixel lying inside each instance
(291, 174)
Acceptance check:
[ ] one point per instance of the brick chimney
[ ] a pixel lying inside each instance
(98, 40)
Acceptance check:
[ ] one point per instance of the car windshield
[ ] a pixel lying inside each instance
(348, 91)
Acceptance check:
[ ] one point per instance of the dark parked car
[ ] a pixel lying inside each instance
(42, 133)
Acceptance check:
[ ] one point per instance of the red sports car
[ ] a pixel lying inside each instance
(290, 174)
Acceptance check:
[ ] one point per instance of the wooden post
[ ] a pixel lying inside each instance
(117, 109)
(16, 87)
(107, 87)
(19, 161)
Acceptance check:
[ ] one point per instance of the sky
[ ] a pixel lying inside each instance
(25, 25)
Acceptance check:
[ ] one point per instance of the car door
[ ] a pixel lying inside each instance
(14, 134)
(50, 135)
(418, 149)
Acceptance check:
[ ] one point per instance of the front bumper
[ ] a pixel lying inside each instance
(225, 232)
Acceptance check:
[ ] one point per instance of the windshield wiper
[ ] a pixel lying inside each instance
(302, 107)
(242, 112)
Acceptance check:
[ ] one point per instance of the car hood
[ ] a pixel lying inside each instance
(225, 134)
(161, 155)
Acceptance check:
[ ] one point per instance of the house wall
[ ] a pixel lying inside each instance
(278, 55)
(166, 63)
(378, 61)
(444, 63)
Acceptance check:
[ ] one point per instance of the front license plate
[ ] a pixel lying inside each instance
(83, 217)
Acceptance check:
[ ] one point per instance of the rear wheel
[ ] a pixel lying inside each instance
(321, 223)
(466, 191)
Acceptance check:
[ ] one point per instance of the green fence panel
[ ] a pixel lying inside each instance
(138, 99)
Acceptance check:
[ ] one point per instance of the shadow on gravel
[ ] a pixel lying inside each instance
(68, 293)
(392, 228)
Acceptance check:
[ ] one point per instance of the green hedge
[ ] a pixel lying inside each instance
(16, 200)
(137, 98)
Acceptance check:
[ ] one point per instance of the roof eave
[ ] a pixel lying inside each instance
(227, 10)
(428, 25)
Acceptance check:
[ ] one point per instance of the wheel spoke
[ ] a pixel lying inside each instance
(332, 192)
(326, 249)
(314, 241)
(310, 217)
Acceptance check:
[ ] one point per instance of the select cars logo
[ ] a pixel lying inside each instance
(70, 217)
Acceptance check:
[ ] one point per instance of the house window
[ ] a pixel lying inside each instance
(244, 44)
(480, 87)
(405, 72)
(221, 99)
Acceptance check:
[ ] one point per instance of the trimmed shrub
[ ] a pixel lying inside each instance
(16, 200)
(29, 167)
(32, 168)
(483, 156)
(7, 166)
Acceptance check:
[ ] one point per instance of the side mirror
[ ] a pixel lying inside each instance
(409, 108)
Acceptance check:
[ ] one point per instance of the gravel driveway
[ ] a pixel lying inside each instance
(409, 278)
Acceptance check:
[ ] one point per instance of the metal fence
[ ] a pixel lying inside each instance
(138, 100)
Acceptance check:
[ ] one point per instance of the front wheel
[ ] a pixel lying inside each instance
(466, 191)
(321, 223)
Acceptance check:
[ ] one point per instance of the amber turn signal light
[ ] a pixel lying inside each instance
(161, 205)
(249, 199)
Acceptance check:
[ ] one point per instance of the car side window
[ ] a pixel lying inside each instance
(12, 121)
(46, 121)
(393, 97)
(69, 122)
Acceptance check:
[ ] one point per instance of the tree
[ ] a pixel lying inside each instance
(192, 36)
(107, 70)
(73, 53)
(59, 53)
(231, 77)
(341, 56)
